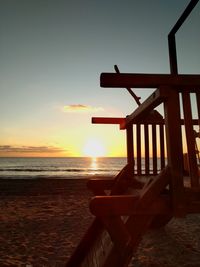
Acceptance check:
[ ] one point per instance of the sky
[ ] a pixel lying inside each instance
(52, 53)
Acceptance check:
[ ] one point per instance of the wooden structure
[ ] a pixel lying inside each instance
(128, 205)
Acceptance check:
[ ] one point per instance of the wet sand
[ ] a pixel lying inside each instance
(42, 221)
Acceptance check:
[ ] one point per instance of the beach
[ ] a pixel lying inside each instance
(42, 221)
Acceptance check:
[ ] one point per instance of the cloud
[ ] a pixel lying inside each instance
(81, 108)
(30, 149)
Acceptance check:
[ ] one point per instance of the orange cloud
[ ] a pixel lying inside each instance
(81, 108)
(30, 149)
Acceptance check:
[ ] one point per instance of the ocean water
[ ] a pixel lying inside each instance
(65, 168)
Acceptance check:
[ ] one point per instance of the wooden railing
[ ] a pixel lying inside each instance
(145, 143)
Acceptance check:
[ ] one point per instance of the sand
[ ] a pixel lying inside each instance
(41, 222)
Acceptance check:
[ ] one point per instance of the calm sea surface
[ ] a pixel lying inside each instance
(32, 168)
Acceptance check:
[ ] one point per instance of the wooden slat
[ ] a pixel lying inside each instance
(129, 145)
(146, 144)
(162, 147)
(154, 149)
(190, 139)
(198, 105)
(124, 80)
(122, 205)
(138, 132)
(142, 111)
(117, 205)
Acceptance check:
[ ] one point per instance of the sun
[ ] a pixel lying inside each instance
(94, 148)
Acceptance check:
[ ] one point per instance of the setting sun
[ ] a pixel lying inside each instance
(94, 148)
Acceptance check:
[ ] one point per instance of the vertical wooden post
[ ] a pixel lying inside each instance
(198, 105)
(190, 138)
(129, 144)
(174, 149)
(146, 142)
(162, 146)
(154, 149)
(138, 130)
(172, 54)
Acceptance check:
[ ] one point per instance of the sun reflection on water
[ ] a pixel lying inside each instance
(94, 164)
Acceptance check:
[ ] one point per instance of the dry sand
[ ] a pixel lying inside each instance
(41, 221)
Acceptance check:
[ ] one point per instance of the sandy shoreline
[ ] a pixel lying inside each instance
(41, 222)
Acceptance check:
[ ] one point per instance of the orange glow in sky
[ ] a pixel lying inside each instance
(51, 61)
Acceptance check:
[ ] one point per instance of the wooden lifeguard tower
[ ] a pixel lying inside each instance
(128, 205)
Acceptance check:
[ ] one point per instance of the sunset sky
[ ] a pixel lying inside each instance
(51, 55)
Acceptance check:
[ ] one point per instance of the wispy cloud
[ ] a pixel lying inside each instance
(81, 108)
(30, 149)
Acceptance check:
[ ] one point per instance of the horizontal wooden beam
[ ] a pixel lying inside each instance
(103, 120)
(122, 121)
(148, 105)
(127, 205)
(123, 80)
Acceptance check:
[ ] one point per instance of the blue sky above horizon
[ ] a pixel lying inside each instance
(52, 53)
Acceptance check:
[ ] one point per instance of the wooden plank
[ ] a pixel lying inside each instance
(138, 132)
(190, 139)
(129, 147)
(174, 150)
(122, 121)
(122, 205)
(123, 80)
(117, 205)
(162, 147)
(146, 145)
(142, 111)
(107, 120)
(154, 149)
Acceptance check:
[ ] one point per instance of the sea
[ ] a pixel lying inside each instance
(59, 168)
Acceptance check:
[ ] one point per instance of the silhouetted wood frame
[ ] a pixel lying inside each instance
(127, 235)
(169, 96)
